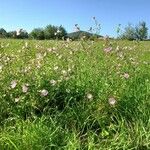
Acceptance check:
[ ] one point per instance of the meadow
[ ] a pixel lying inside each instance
(92, 95)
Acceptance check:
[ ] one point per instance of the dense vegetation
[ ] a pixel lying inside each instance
(139, 32)
(74, 95)
(49, 32)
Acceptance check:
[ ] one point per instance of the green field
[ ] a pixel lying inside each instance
(74, 95)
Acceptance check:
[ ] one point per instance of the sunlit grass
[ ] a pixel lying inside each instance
(74, 95)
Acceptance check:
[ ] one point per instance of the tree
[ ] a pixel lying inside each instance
(61, 32)
(53, 32)
(129, 33)
(11, 34)
(22, 34)
(141, 31)
(50, 31)
(3, 33)
(37, 33)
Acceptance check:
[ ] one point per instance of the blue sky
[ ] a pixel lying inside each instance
(28, 14)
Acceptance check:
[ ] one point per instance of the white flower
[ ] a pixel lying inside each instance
(49, 49)
(25, 88)
(64, 72)
(1, 67)
(17, 100)
(44, 92)
(69, 69)
(68, 40)
(56, 68)
(26, 44)
(112, 101)
(52, 82)
(13, 84)
(89, 96)
(66, 78)
(126, 75)
(39, 56)
(60, 56)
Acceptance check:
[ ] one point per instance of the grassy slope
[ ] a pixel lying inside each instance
(66, 118)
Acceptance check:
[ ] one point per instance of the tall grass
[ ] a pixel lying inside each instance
(74, 95)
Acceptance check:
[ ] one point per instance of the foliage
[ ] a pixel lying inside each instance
(61, 32)
(37, 33)
(22, 35)
(50, 31)
(140, 32)
(53, 32)
(3, 33)
(129, 33)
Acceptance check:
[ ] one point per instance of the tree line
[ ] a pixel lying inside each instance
(49, 32)
(130, 32)
(137, 32)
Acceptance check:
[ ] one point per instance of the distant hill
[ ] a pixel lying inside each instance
(79, 34)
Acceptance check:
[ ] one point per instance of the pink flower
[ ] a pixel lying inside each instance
(108, 49)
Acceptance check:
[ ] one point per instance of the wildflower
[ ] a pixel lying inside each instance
(120, 55)
(117, 48)
(112, 101)
(54, 48)
(108, 49)
(56, 68)
(66, 78)
(126, 75)
(17, 100)
(60, 56)
(69, 69)
(44, 92)
(70, 52)
(52, 82)
(26, 44)
(89, 96)
(13, 84)
(25, 88)
(49, 49)
(64, 72)
(68, 40)
(39, 56)
(1, 67)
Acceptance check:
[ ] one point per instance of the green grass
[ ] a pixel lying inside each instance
(93, 100)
